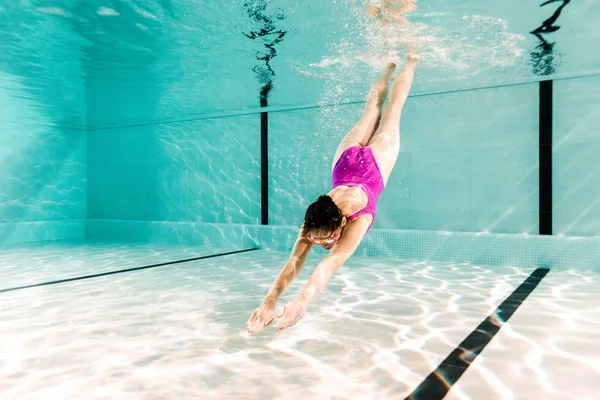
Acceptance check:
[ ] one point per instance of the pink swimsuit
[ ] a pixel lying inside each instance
(357, 167)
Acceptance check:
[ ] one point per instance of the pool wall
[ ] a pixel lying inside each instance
(207, 170)
(546, 251)
(576, 146)
(43, 142)
(469, 163)
(104, 118)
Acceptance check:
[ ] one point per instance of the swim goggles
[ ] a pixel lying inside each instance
(328, 240)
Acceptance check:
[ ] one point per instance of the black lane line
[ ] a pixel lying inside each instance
(264, 168)
(545, 207)
(121, 271)
(439, 382)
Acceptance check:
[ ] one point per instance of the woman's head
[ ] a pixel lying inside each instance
(323, 221)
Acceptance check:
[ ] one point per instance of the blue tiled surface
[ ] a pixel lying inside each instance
(439, 122)
(504, 117)
(41, 231)
(504, 189)
(43, 166)
(208, 171)
(576, 145)
(394, 206)
(453, 247)
(204, 171)
(43, 175)
(468, 161)
(440, 190)
(576, 189)
(575, 106)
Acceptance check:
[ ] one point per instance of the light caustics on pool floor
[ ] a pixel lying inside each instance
(378, 330)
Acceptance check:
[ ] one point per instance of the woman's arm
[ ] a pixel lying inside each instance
(351, 238)
(265, 313)
(291, 269)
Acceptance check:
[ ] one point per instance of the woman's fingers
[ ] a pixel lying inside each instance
(251, 325)
(286, 318)
(257, 325)
(285, 322)
(283, 318)
(254, 323)
(251, 319)
(281, 324)
(282, 312)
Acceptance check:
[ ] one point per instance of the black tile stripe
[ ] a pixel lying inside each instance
(121, 271)
(545, 208)
(439, 382)
(264, 167)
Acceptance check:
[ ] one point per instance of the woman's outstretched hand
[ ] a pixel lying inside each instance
(292, 313)
(261, 317)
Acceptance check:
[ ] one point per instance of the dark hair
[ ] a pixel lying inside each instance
(322, 215)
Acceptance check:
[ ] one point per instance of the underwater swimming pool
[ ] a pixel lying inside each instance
(158, 157)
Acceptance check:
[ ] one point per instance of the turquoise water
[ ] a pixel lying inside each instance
(130, 136)
(149, 111)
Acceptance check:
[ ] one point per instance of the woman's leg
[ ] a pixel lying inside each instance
(363, 131)
(385, 144)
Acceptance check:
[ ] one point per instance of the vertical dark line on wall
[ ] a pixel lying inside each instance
(264, 154)
(266, 36)
(545, 148)
(264, 168)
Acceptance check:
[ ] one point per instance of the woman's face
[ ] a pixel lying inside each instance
(327, 240)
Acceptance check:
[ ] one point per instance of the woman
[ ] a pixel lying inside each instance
(339, 220)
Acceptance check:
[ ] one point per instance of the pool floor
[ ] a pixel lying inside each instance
(377, 331)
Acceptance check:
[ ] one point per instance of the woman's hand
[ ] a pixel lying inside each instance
(261, 317)
(292, 313)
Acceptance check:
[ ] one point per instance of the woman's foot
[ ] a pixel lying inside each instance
(412, 53)
(374, 12)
